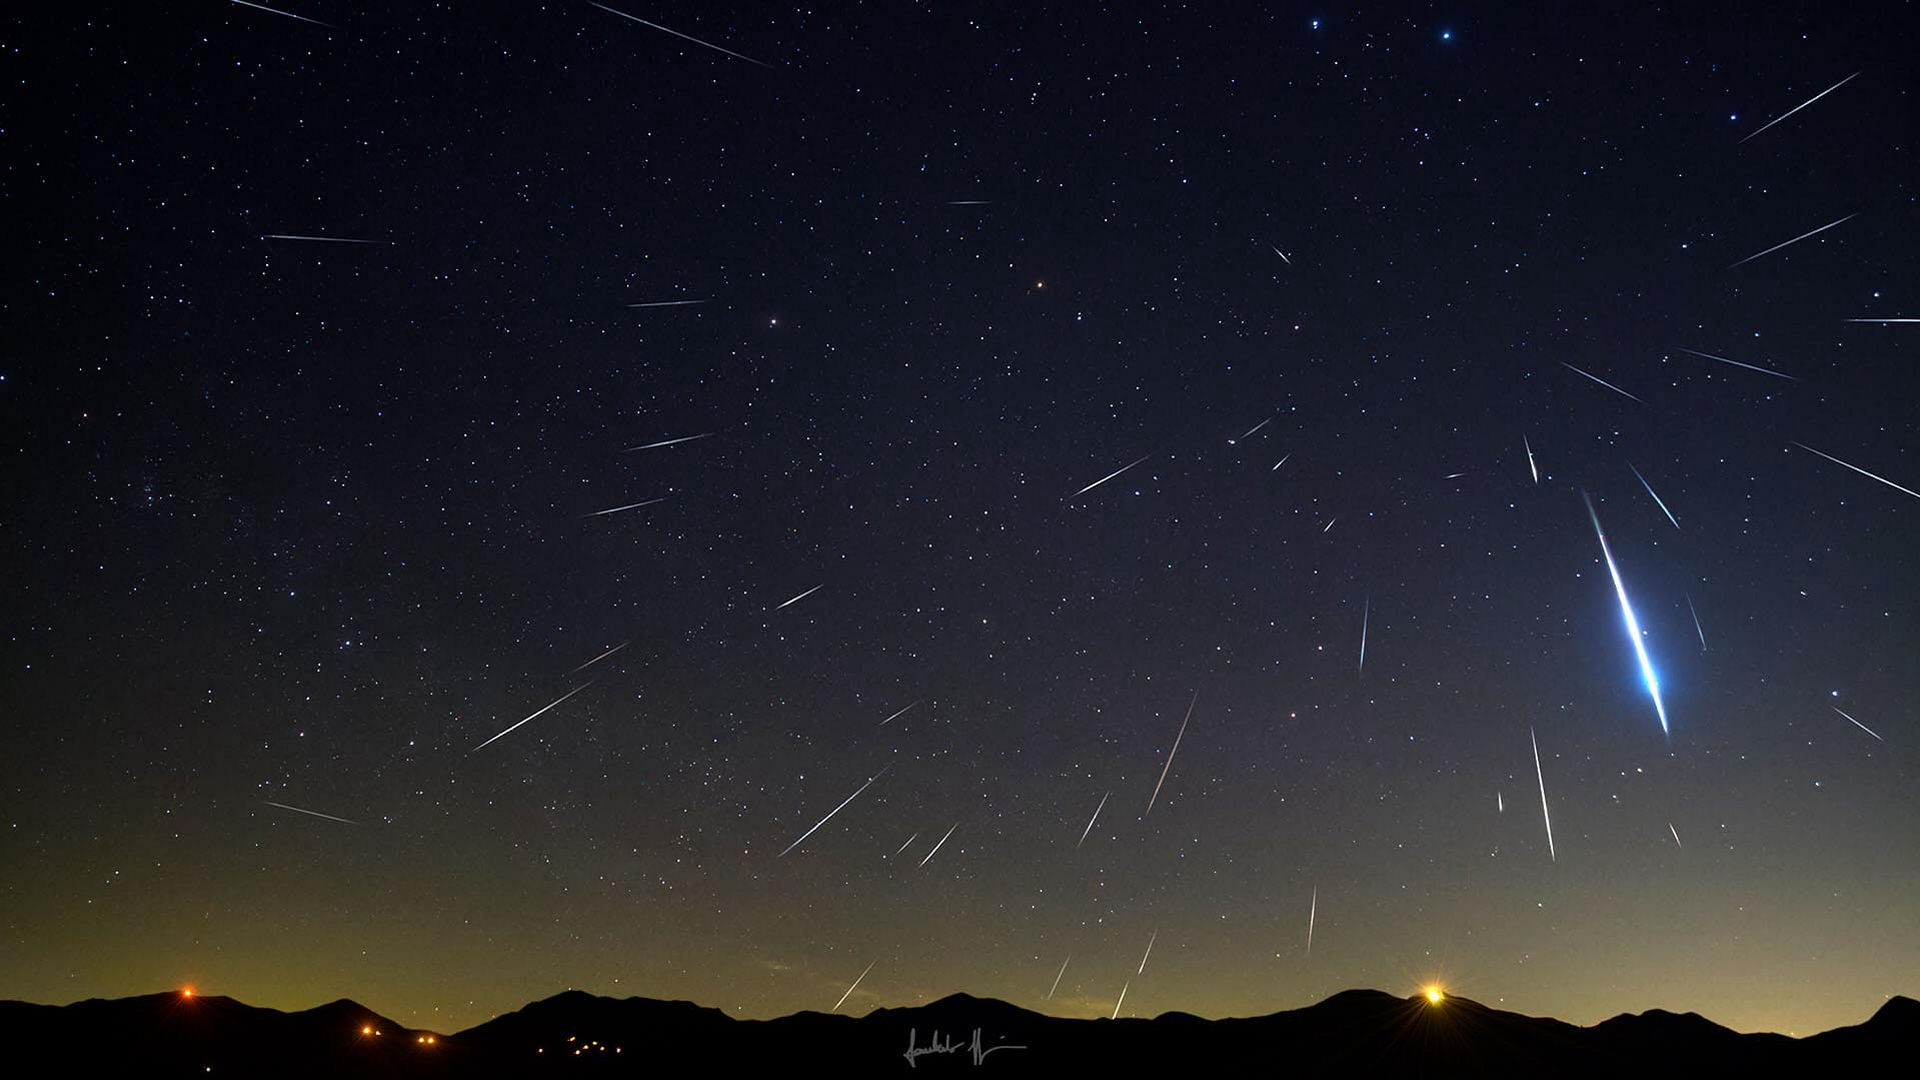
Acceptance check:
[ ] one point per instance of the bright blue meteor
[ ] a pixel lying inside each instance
(1633, 624)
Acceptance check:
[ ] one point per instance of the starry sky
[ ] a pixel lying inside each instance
(1363, 302)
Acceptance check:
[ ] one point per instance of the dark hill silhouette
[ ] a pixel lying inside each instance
(1354, 1033)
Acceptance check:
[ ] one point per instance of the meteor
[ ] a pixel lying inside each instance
(1149, 952)
(1676, 835)
(1888, 319)
(1313, 908)
(969, 202)
(684, 37)
(1091, 820)
(665, 303)
(629, 506)
(1795, 240)
(1696, 624)
(1531, 467)
(1056, 978)
(856, 982)
(1803, 104)
(1282, 254)
(314, 239)
(1856, 723)
(836, 810)
(1364, 616)
(1330, 522)
(803, 596)
(896, 716)
(903, 847)
(668, 442)
(1122, 1001)
(1599, 380)
(1251, 430)
(1105, 478)
(936, 847)
(310, 813)
(1861, 471)
(1282, 461)
(1544, 816)
(538, 711)
(599, 658)
(1170, 753)
(288, 14)
(1738, 364)
(1633, 624)
(1650, 491)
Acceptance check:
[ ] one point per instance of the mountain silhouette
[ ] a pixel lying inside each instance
(1356, 1032)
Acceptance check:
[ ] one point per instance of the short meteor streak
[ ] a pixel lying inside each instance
(1676, 835)
(836, 810)
(1149, 952)
(668, 442)
(1544, 816)
(1091, 820)
(1282, 254)
(1057, 977)
(1170, 753)
(1633, 624)
(909, 842)
(1105, 478)
(1282, 461)
(683, 37)
(1122, 1001)
(1803, 104)
(665, 303)
(1696, 623)
(599, 658)
(803, 595)
(318, 239)
(936, 847)
(1738, 364)
(1795, 240)
(1888, 319)
(856, 982)
(1861, 471)
(1856, 723)
(896, 716)
(1500, 801)
(629, 506)
(1599, 380)
(1251, 430)
(537, 712)
(1364, 616)
(288, 14)
(1330, 522)
(310, 813)
(1313, 908)
(1656, 497)
(969, 202)
(1531, 467)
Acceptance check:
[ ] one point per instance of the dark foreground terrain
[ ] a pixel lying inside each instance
(1359, 1032)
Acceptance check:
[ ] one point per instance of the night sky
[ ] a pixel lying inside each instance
(290, 527)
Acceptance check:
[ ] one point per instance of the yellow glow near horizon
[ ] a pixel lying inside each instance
(1434, 994)
(186, 991)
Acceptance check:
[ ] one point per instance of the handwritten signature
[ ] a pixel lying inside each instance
(975, 1048)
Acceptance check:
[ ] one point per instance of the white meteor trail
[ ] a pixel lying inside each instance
(1282, 254)
(1453, 476)
(1544, 816)
(1656, 497)
(315, 239)
(684, 37)
(1500, 801)
(896, 716)
(1633, 625)
(936, 847)
(969, 202)
(1696, 623)
(668, 442)
(666, 303)
(1676, 835)
(910, 840)
(1861, 471)
(310, 813)
(803, 595)
(1251, 430)
(1282, 461)
(836, 810)
(1531, 467)
(1738, 364)
(1856, 723)
(1599, 380)
(538, 711)
(1803, 105)
(1170, 753)
(856, 982)
(1365, 614)
(1795, 240)
(629, 506)
(1091, 820)
(1330, 522)
(288, 14)
(1057, 977)
(1888, 319)
(1105, 478)
(1313, 908)
(599, 658)
(1149, 952)
(1122, 1001)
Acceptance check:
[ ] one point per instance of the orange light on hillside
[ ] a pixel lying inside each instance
(367, 1029)
(1434, 995)
(186, 991)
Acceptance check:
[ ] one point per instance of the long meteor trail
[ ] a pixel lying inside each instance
(629, 506)
(684, 37)
(1091, 820)
(1861, 471)
(1105, 478)
(837, 809)
(344, 821)
(803, 596)
(1738, 364)
(856, 982)
(1803, 104)
(537, 712)
(1633, 624)
(1364, 616)
(599, 658)
(1313, 908)
(288, 14)
(1531, 467)
(936, 847)
(1057, 977)
(1170, 753)
(1544, 816)
(1656, 498)
(1835, 708)
(1795, 240)
(668, 442)
(896, 716)
(1599, 380)
(1696, 624)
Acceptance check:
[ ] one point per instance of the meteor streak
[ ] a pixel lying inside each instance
(836, 810)
(1500, 801)
(1313, 908)
(315, 239)
(1544, 816)
(1650, 491)
(1795, 240)
(668, 442)
(1531, 467)
(666, 303)
(1599, 380)
(1861, 471)
(1364, 616)
(1330, 522)
(1676, 835)
(1091, 820)
(1738, 364)
(1856, 723)
(1803, 105)
(310, 813)
(803, 596)
(538, 711)
(969, 202)
(1170, 753)
(1149, 952)
(288, 14)
(599, 658)
(1696, 623)
(683, 37)
(1122, 1001)
(863, 975)
(1282, 254)
(1888, 319)
(1282, 461)
(629, 506)
(936, 847)
(896, 716)
(903, 847)
(1251, 430)
(1105, 478)
(1633, 624)
(1056, 978)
